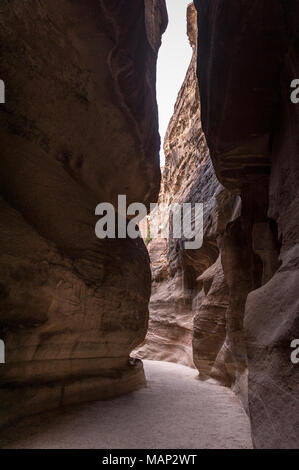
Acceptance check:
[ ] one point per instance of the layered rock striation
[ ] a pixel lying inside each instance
(171, 320)
(230, 307)
(80, 107)
(189, 318)
(247, 59)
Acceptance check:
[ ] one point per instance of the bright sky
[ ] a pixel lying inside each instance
(173, 61)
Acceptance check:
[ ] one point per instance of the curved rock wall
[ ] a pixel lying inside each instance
(189, 318)
(239, 289)
(171, 319)
(247, 58)
(80, 107)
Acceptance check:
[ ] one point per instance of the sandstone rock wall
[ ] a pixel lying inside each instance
(80, 107)
(247, 58)
(189, 318)
(171, 318)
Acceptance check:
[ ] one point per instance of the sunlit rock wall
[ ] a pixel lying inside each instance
(190, 295)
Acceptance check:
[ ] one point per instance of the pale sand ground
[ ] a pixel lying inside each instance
(175, 411)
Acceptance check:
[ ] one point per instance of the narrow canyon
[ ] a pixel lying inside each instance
(79, 315)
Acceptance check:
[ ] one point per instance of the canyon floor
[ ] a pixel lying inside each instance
(175, 411)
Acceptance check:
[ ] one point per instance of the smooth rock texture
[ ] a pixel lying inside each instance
(209, 417)
(80, 107)
(247, 58)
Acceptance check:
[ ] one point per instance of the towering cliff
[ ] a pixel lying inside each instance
(247, 58)
(171, 319)
(189, 318)
(80, 107)
(233, 303)
(79, 127)
(170, 327)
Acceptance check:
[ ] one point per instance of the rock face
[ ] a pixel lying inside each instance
(171, 319)
(247, 58)
(239, 289)
(80, 107)
(189, 318)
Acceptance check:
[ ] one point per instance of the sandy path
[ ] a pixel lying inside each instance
(174, 411)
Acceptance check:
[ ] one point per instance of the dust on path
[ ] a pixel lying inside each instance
(175, 411)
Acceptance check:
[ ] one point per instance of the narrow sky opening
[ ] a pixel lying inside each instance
(173, 61)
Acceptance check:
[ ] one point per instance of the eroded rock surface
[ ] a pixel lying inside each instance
(239, 289)
(190, 322)
(247, 58)
(171, 318)
(80, 107)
